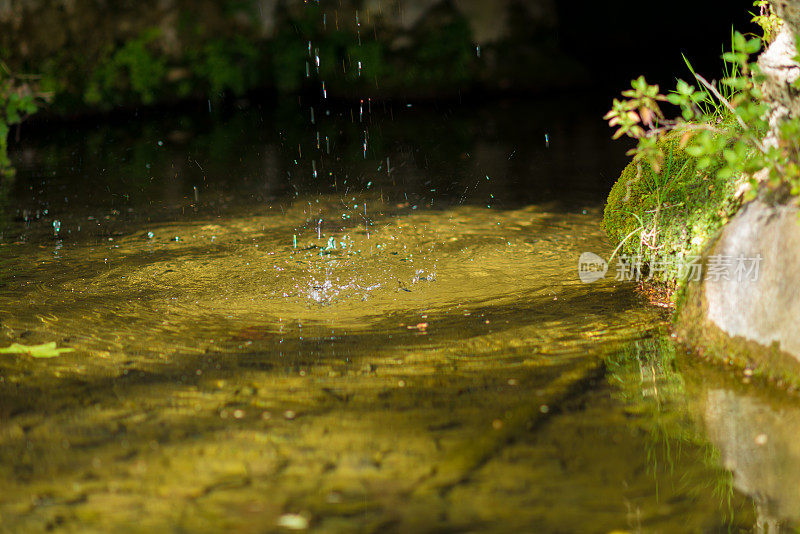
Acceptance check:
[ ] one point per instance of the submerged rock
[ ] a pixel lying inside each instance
(745, 306)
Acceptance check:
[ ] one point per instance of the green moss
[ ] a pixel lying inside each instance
(670, 213)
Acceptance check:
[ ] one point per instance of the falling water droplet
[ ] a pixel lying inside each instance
(546, 141)
(314, 167)
(56, 226)
(324, 91)
(478, 50)
(359, 68)
(312, 116)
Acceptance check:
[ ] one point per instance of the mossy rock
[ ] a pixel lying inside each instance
(670, 213)
(746, 313)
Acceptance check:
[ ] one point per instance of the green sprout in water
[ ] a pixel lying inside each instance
(44, 350)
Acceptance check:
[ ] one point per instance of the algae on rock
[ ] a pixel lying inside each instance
(671, 213)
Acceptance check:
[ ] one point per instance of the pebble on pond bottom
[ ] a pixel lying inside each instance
(293, 522)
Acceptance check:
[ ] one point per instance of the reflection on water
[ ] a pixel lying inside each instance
(164, 167)
(400, 344)
(756, 434)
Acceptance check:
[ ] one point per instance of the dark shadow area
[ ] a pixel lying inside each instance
(169, 168)
(618, 40)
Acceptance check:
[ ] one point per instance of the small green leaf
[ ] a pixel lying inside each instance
(752, 46)
(45, 350)
(675, 99)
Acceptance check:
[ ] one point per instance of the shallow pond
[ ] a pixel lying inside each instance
(369, 324)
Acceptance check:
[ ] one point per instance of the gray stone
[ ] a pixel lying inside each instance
(763, 307)
(781, 71)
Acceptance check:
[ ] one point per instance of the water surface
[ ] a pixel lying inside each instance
(399, 342)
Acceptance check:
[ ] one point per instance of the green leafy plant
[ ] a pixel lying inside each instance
(716, 119)
(19, 98)
(767, 19)
(692, 167)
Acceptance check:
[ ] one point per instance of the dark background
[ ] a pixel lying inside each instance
(620, 39)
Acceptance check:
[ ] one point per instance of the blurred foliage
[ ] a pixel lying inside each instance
(305, 52)
(443, 55)
(219, 49)
(227, 65)
(19, 98)
(133, 69)
(138, 72)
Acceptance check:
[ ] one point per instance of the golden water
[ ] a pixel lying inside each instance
(396, 367)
